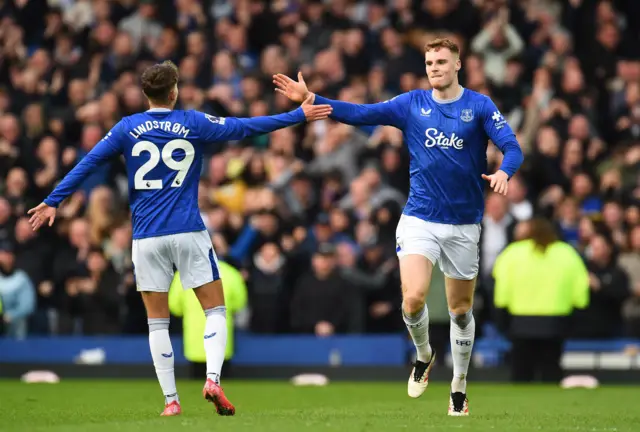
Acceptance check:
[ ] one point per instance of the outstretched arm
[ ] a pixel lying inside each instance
(108, 147)
(390, 113)
(216, 129)
(232, 128)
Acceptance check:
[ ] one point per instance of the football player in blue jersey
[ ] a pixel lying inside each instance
(162, 149)
(446, 130)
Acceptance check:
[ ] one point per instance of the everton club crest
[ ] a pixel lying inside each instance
(466, 115)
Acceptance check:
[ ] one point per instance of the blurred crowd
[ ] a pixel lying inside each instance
(308, 213)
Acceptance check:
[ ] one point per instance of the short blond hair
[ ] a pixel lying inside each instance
(438, 43)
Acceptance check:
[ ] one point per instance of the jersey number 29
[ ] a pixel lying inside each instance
(181, 166)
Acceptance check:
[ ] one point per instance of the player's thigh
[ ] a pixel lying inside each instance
(153, 270)
(195, 259)
(418, 249)
(417, 237)
(460, 262)
(415, 276)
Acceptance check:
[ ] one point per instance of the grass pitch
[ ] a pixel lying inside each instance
(97, 406)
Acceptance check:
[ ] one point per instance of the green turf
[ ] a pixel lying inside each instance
(93, 406)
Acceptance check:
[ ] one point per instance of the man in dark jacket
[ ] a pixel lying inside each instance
(322, 299)
(609, 286)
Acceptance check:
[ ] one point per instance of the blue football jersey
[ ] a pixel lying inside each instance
(447, 143)
(163, 150)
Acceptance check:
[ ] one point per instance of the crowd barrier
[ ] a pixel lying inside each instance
(256, 350)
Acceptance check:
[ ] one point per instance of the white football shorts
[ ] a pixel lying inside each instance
(455, 247)
(155, 260)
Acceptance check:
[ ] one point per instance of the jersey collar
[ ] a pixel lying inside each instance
(158, 110)
(448, 101)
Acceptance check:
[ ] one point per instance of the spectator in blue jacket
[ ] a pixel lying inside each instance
(17, 294)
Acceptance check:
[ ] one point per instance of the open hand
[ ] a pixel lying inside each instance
(498, 181)
(324, 328)
(296, 91)
(315, 112)
(41, 214)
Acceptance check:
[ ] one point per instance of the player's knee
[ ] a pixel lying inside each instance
(461, 303)
(461, 317)
(413, 303)
(460, 307)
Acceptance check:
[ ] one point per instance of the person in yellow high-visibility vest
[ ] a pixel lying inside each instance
(540, 281)
(185, 304)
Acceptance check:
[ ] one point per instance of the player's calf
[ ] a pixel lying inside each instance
(462, 329)
(415, 274)
(211, 298)
(163, 358)
(462, 335)
(156, 304)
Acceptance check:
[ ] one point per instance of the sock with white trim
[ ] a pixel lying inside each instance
(418, 326)
(162, 355)
(215, 340)
(462, 335)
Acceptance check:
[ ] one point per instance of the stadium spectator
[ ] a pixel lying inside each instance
(99, 296)
(497, 232)
(381, 303)
(6, 221)
(519, 205)
(609, 288)
(17, 294)
(539, 282)
(322, 299)
(496, 43)
(267, 290)
(33, 255)
(630, 262)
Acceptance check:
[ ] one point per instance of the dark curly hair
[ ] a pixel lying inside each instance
(159, 80)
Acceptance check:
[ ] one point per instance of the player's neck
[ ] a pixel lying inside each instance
(451, 92)
(155, 106)
(160, 107)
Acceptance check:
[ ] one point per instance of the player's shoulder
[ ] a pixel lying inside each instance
(418, 94)
(181, 116)
(200, 117)
(478, 99)
(472, 95)
(126, 121)
(405, 97)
